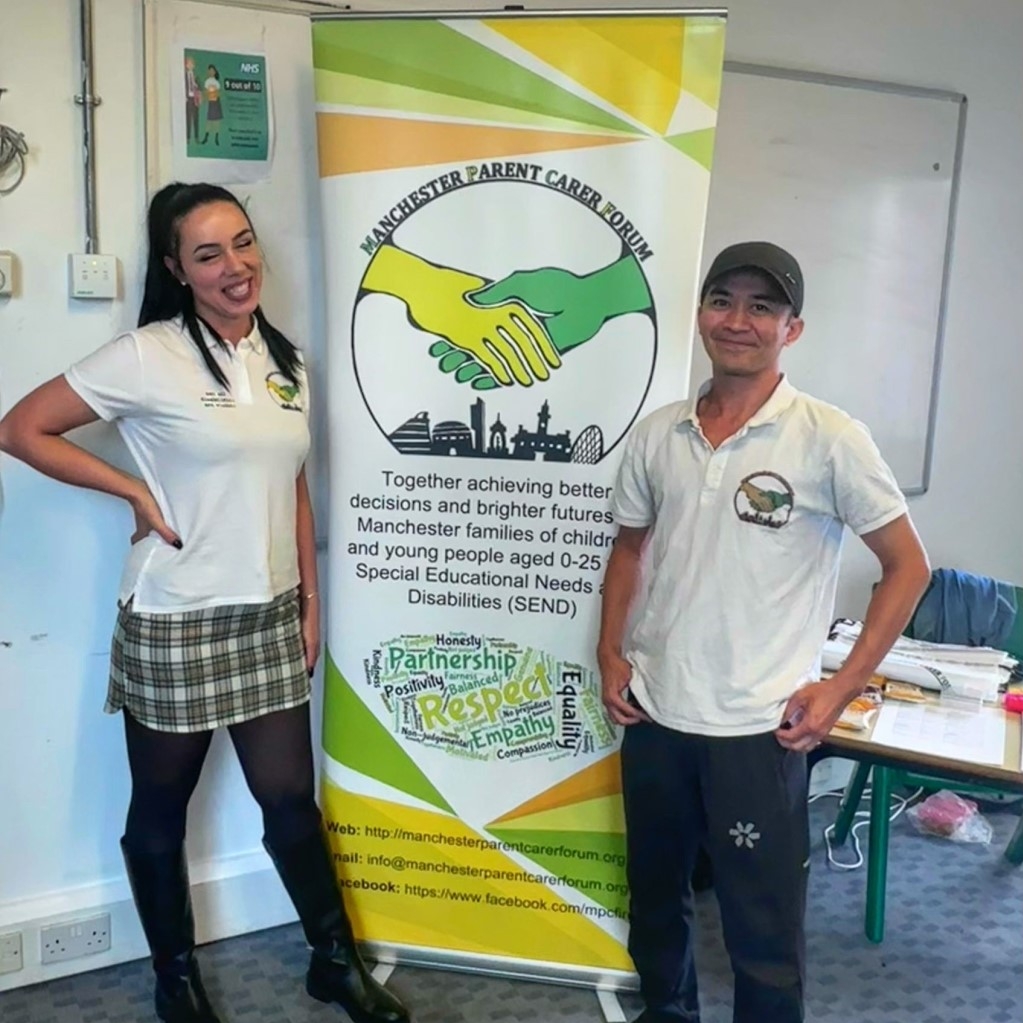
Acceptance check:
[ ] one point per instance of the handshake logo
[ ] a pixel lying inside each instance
(504, 338)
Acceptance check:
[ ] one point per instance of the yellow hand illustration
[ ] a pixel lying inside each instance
(505, 340)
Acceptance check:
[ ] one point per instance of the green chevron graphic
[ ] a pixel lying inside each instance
(352, 736)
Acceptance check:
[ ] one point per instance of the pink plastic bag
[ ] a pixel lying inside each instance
(947, 815)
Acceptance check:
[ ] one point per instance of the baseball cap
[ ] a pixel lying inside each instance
(779, 265)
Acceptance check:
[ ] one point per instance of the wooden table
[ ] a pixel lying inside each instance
(891, 764)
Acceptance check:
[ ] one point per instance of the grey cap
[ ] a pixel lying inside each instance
(779, 265)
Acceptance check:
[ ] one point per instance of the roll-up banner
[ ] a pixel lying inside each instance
(513, 212)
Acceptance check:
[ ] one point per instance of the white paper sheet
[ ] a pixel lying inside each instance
(977, 737)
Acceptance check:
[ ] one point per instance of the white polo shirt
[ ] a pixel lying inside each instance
(743, 554)
(221, 464)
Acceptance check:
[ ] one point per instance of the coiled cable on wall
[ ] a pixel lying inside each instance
(13, 150)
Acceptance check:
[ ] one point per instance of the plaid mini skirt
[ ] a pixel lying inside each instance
(192, 671)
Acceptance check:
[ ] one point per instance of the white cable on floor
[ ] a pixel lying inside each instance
(899, 804)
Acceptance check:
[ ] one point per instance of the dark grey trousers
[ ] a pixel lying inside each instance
(744, 799)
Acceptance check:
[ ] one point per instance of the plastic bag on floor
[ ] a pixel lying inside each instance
(947, 815)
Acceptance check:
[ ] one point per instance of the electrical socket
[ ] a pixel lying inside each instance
(75, 938)
(11, 959)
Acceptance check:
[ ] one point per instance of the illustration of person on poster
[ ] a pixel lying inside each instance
(193, 100)
(214, 111)
(226, 120)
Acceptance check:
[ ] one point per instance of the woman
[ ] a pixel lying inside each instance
(218, 621)
(214, 112)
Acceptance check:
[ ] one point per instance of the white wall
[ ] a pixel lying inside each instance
(63, 780)
(63, 775)
(969, 518)
(63, 783)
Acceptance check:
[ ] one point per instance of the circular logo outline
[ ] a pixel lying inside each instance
(765, 503)
(361, 293)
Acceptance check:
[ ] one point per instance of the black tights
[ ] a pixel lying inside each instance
(275, 751)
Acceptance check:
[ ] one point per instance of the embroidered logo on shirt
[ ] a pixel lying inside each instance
(217, 399)
(744, 835)
(283, 391)
(765, 499)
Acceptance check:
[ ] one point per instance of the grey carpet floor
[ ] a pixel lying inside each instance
(953, 953)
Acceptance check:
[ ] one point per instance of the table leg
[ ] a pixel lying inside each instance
(1014, 850)
(850, 802)
(877, 856)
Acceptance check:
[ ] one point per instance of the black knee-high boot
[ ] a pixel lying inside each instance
(336, 970)
(159, 882)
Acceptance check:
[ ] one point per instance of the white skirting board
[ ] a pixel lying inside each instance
(224, 907)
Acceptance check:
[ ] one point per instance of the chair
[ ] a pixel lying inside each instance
(885, 780)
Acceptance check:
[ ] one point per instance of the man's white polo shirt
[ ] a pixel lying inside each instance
(221, 464)
(743, 554)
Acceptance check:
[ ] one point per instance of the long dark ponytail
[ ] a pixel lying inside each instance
(166, 298)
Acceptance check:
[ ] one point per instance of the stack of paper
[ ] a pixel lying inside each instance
(972, 671)
(974, 736)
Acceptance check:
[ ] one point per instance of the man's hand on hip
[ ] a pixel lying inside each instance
(616, 673)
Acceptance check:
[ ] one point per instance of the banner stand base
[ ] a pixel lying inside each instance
(381, 972)
(605, 984)
(610, 1006)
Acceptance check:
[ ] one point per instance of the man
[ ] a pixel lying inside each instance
(193, 99)
(731, 509)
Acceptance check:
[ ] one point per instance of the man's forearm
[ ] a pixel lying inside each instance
(890, 608)
(620, 582)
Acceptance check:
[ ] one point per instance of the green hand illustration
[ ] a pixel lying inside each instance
(573, 308)
(486, 347)
(465, 368)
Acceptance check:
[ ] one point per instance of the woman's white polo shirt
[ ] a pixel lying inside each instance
(221, 463)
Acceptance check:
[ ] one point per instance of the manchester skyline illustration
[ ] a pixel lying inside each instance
(454, 439)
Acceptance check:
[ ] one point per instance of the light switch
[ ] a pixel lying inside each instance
(92, 275)
(6, 273)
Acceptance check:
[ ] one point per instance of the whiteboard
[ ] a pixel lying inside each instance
(858, 180)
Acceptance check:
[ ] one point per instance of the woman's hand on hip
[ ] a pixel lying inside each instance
(149, 518)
